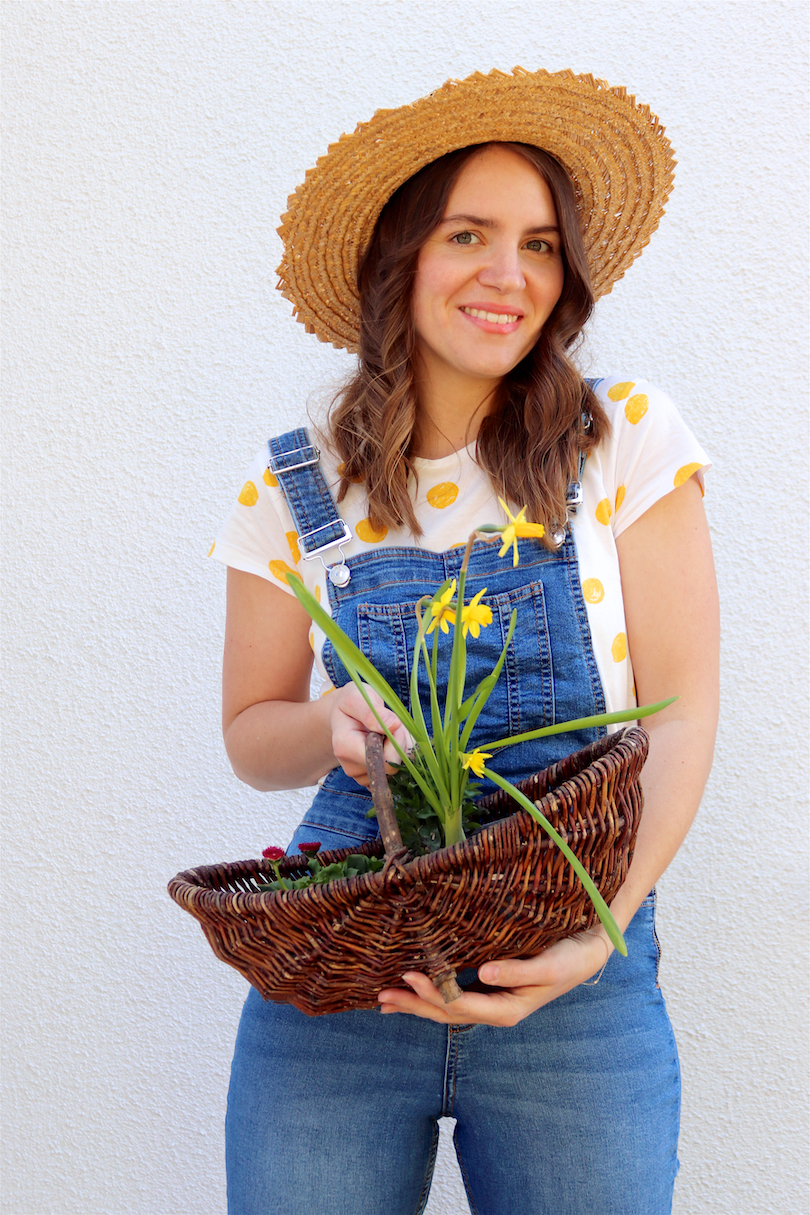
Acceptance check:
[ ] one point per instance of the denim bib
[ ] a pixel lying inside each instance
(550, 673)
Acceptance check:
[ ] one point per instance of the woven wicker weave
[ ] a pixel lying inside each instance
(505, 892)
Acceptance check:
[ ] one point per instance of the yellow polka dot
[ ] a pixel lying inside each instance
(683, 474)
(620, 492)
(280, 570)
(603, 512)
(366, 532)
(619, 647)
(326, 691)
(441, 495)
(269, 479)
(292, 540)
(318, 593)
(619, 391)
(312, 641)
(353, 480)
(459, 544)
(636, 407)
(211, 549)
(249, 494)
(593, 590)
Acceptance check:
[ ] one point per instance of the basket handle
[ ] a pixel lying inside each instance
(443, 975)
(383, 801)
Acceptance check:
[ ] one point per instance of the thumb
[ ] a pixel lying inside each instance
(512, 972)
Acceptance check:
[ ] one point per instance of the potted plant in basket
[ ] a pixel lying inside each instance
(326, 932)
(437, 769)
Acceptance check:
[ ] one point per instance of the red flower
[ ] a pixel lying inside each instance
(309, 849)
(273, 853)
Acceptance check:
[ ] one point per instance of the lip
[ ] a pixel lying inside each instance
(492, 326)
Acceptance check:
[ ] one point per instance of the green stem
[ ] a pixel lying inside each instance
(452, 829)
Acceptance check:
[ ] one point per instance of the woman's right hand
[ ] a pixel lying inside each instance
(352, 721)
(276, 737)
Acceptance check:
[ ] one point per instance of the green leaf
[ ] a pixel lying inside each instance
(583, 723)
(330, 872)
(361, 671)
(488, 683)
(601, 907)
(346, 648)
(436, 763)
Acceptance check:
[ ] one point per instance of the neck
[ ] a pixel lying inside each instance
(450, 411)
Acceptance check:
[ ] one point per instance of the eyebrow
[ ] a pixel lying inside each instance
(479, 221)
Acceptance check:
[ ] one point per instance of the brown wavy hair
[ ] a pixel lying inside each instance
(529, 441)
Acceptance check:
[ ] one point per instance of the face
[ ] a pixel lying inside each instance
(488, 277)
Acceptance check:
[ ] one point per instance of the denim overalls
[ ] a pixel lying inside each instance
(575, 1110)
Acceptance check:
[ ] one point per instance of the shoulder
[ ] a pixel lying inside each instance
(644, 420)
(650, 449)
(629, 400)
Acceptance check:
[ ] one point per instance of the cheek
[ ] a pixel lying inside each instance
(430, 292)
(549, 296)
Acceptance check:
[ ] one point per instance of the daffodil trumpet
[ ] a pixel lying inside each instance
(440, 762)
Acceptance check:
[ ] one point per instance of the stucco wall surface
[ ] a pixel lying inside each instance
(150, 148)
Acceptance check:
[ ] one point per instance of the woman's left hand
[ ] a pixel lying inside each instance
(529, 985)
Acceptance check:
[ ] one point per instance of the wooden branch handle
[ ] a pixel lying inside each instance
(380, 792)
(445, 978)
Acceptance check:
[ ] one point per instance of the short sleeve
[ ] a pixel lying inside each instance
(258, 535)
(650, 453)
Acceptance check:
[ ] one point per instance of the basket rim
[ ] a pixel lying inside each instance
(189, 889)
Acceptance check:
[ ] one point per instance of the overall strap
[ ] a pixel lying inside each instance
(295, 463)
(574, 493)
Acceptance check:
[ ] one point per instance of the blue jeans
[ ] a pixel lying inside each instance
(572, 1112)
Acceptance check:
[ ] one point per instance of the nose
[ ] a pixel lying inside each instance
(502, 269)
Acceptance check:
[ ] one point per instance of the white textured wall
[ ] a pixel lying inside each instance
(150, 148)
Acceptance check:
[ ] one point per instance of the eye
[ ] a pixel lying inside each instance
(465, 238)
(538, 246)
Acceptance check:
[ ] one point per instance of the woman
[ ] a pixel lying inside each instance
(476, 257)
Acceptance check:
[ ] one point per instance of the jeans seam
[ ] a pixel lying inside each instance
(424, 1193)
(656, 941)
(451, 1054)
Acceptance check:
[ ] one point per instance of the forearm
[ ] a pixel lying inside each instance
(281, 744)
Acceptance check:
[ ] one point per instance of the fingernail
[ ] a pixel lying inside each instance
(489, 973)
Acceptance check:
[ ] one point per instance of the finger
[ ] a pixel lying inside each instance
(391, 756)
(425, 1000)
(516, 972)
(422, 1000)
(561, 966)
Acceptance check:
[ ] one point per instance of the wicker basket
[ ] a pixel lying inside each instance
(505, 892)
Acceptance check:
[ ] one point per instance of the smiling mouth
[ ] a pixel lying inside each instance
(495, 318)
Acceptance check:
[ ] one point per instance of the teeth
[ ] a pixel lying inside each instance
(498, 318)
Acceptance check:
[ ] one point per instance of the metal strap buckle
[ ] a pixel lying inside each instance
(573, 497)
(276, 468)
(316, 552)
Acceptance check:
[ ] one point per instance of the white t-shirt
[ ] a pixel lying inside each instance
(650, 452)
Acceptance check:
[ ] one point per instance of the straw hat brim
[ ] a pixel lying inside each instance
(614, 149)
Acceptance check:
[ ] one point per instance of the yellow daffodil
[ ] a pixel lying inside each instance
(475, 761)
(475, 615)
(517, 526)
(441, 611)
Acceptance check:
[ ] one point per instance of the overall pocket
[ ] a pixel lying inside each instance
(523, 698)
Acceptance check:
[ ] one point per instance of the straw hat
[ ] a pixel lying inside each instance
(614, 149)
